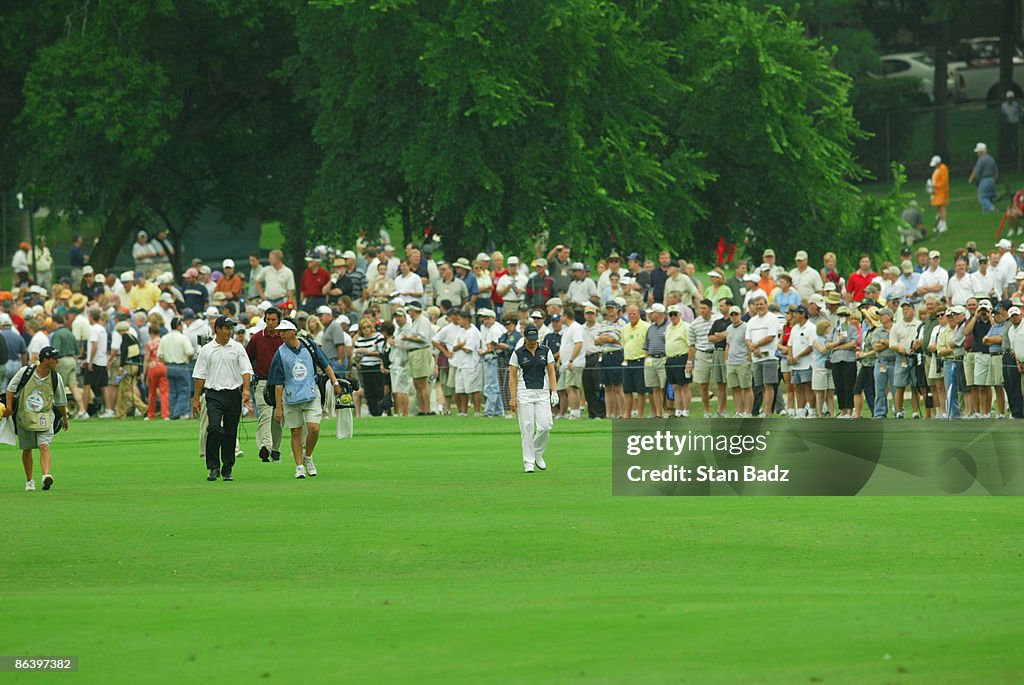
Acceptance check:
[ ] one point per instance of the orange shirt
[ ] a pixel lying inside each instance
(940, 180)
(231, 285)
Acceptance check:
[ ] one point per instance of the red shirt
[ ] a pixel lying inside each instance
(856, 283)
(312, 284)
(495, 297)
(261, 350)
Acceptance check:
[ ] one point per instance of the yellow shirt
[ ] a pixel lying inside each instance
(677, 339)
(144, 297)
(633, 338)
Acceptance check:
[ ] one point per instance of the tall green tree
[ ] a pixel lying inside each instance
(772, 118)
(493, 122)
(148, 113)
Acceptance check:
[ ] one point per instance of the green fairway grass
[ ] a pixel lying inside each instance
(423, 554)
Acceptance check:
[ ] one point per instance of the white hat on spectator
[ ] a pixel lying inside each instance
(512, 261)
(228, 264)
(324, 309)
(286, 325)
(936, 161)
(212, 312)
(264, 305)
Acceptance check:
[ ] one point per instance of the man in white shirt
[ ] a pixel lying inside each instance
(444, 341)
(763, 331)
(1007, 264)
(408, 284)
(582, 290)
(960, 287)
(223, 374)
(934, 278)
(176, 351)
(469, 381)
(801, 346)
(806, 281)
(571, 362)
(511, 287)
(165, 308)
(276, 282)
(985, 281)
(490, 333)
(96, 359)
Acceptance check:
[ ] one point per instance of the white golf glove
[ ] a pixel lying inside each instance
(554, 399)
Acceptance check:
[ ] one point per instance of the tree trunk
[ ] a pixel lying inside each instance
(406, 221)
(295, 250)
(940, 120)
(117, 230)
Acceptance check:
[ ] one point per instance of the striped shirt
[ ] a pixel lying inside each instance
(373, 350)
(699, 330)
(613, 329)
(655, 342)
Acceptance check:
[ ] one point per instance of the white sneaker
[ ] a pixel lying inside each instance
(300, 471)
(106, 414)
(310, 467)
(47, 481)
(679, 412)
(686, 412)
(541, 464)
(82, 416)
(30, 486)
(528, 469)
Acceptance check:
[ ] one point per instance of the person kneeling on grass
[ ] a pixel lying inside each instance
(37, 399)
(293, 375)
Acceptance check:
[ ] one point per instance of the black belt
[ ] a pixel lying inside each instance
(238, 389)
(711, 351)
(656, 356)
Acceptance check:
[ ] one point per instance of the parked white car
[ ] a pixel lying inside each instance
(918, 65)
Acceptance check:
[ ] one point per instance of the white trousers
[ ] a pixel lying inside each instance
(534, 413)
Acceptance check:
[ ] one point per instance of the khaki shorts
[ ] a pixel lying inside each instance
(988, 370)
(821, 380)
(67, 369)
(442, 378)
(739, 375)
(419, 363)
(934, 369)
(718, 366)
(702, 365)
(969, 367)
(570, 378)
(655, 376)
(297, 415)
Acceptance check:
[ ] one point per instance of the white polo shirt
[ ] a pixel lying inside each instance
(760, 327)
(222, 366)
(800, 338)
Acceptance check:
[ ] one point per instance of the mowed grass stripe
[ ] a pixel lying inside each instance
(427, 556)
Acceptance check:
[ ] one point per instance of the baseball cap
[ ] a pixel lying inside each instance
(842, 311)
(959, 309)
(1004, 244)
(981, 147)
(285, 325)
(768, 253)
(576, 266)
(885, 310)
(512, 261)
(799, 309)
(536, 315)
(389, 248)
(934, 254)
(658, 307)
(554, 302)
(985, 304)
(348, 254)
(530, 332)
(49, 352)
(907, 267)
(936, 160)
(735, 310)
(323, 309)
(86, 270)
(483, 257)
(620, 301)
(224, 322)
(212, 312)
(633, 255)
(190, 272)
(484, 311)
(398, 311)
(167, 297)
(829, 287)
(556, 317)
(590, 308)
(188, 314)
(801, 254)
(753, 278)
(414, 306)
(540, 261)
(205, 269)
(127, 277)
(765, 267)
(228, 264)
(907, 303)
(1014, 310)
(264, 305)
(715, 273)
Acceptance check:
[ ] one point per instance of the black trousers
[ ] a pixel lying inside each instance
(844, 374)
(592, 387)
(373, 388)
(865, 383)
(224, 411)
(1011, 381)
